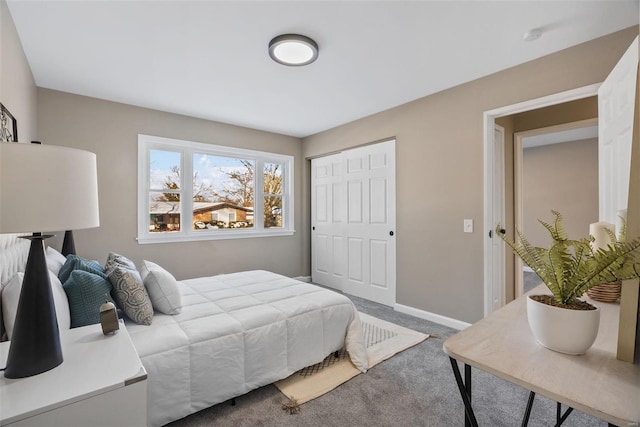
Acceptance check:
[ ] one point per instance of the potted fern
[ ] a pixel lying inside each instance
(562, 321)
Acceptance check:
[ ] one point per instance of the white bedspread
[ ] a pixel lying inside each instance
(237, 332)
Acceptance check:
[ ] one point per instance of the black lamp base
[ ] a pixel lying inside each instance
(68, 244)
(35, 342)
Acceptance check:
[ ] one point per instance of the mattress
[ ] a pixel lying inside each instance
(237, 332)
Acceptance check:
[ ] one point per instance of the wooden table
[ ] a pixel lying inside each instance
(595, 383)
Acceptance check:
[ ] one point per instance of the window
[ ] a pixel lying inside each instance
(272, 178)
(229, 191)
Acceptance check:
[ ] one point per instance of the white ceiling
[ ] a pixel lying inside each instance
(209, 59)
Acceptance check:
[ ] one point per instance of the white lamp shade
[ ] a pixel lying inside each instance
(46, 188)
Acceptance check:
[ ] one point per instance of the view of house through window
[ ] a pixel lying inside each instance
(221, 192)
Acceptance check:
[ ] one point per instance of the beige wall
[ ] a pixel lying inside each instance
(111, 131)
(439, 154)
(562, 177)
(17, 87)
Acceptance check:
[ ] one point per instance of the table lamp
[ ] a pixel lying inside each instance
(45, 188)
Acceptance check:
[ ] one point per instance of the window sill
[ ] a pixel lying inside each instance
(211, 235)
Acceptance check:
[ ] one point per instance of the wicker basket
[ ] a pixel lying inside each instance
(606, 292)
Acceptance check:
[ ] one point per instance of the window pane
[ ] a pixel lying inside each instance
(164, 170)
(164, 212)
(272, 212)
(273, 178)
(223, 192)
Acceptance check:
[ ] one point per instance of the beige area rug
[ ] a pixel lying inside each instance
(383, 340)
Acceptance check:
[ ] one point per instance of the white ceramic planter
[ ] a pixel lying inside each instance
(563, 330)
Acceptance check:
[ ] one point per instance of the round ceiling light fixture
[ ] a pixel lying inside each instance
(293, 50)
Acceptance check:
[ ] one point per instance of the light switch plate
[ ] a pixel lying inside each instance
(468, 226)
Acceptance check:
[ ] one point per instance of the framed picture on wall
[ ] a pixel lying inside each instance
(8, 126)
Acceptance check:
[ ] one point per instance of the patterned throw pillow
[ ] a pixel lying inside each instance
(115, 260)
(86, 293)
(162, 287)
(131, 295)
(75, 262)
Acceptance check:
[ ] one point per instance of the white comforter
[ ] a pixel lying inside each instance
(237, 332)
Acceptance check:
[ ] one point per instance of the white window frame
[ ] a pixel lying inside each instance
(146, 143)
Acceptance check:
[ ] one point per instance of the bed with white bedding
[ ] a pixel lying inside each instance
(235, 332)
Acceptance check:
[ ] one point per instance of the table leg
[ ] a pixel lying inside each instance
(560, 417)
(465, 392)
(527, 411)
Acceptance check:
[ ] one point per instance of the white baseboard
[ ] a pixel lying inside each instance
(306, 279)
(437, 318)
(527, 269)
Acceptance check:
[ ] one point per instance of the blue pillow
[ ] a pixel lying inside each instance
(86, 293)
(74, 262)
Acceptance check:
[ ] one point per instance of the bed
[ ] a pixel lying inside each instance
(234, 333)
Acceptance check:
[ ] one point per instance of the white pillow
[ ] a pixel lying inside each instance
(55, 260)
(11, 296)
(162, 288)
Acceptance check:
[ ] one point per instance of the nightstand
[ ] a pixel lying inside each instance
(101, 382)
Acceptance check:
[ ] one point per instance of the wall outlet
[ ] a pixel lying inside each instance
(468, 226)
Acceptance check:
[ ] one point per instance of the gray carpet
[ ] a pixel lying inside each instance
(531, 280)
(413, 388)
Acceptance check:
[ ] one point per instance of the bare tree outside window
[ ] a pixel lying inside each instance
(272, 176)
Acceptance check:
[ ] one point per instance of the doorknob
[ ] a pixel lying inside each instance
(313, 228)
(501, 231)
(391, 233)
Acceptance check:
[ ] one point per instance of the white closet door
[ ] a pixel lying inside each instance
(328, 260)
(354, 218)
(616, 98)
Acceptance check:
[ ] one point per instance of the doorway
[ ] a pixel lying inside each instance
(492, 301)
(616, 110)
(555, 167)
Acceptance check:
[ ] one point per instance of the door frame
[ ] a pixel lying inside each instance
(489, 117)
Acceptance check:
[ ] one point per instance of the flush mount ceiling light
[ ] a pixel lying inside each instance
(293, 50)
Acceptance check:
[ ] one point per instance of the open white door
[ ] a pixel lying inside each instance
(353, 222)
(498, 249)
(616, 101)
(494, 277)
